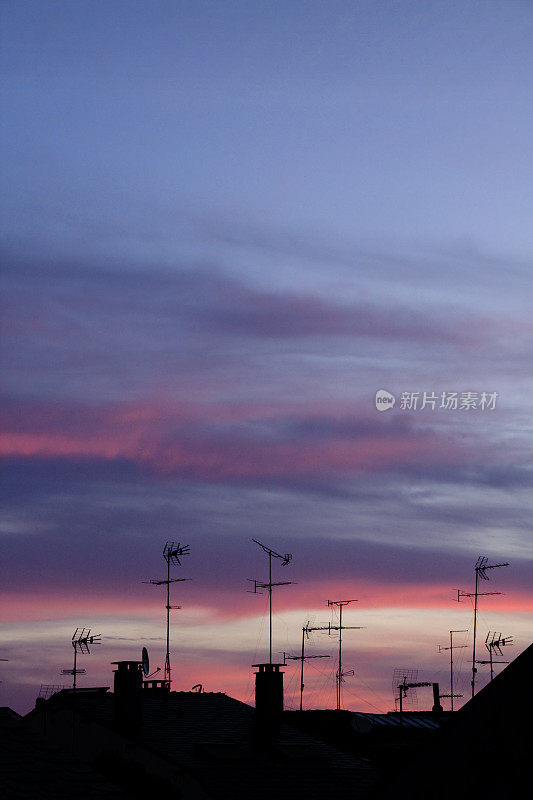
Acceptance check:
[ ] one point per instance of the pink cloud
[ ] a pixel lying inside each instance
(224, 443)
(228, 604)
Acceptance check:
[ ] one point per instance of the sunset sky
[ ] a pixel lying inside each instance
(226, 226)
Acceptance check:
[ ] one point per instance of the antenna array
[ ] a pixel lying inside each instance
(171, 553)
(404, 686)
(48, 689)
(480, 568)
(82, 640)
(339, 678)
(494, 642)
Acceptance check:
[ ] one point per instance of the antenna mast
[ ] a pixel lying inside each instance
(479, 568)
(302, 658)
(171, 554)
(340, 627)
(451, 648)
(285, 560)
(82, 640)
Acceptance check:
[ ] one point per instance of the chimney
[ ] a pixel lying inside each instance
(268, 699)
(127, 696)
(437, 708)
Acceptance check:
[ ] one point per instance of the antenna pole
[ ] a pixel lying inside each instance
(81, 640)
(480, 571)
(451, 661)
(301, 658)
(340, 627)
(340, 604)
(451, 648)
(171, 554)
(340, 661)
(302, 671)
(451, 669)
(474, 669)
(270, 607)
(74, 726)
(167, 656)
(285, 559)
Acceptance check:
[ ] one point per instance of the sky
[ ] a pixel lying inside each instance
(226, 226)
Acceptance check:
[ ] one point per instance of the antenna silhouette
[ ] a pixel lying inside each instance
(404, 686)
(285, 560)
(302, 658)
(82, 640)
(494, 641)
(451, 648)
(339, 678)
(480, 569)
(48, 689)
(171, 554)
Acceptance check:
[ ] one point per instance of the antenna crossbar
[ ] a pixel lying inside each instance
(285, 558)
(331, 627)
(258, 585)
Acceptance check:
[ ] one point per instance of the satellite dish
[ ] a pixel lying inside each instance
(145, 661)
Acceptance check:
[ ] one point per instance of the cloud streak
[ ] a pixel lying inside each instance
(221, 446)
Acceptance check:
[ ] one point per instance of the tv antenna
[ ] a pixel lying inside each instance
(171, 554)
(495, 642)
(404, 674)
(301, 658)
(82, 641)
(48, 689)
(285, 560)
(340, 675)
(451, 648)
(404, 686)
(480, 568)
